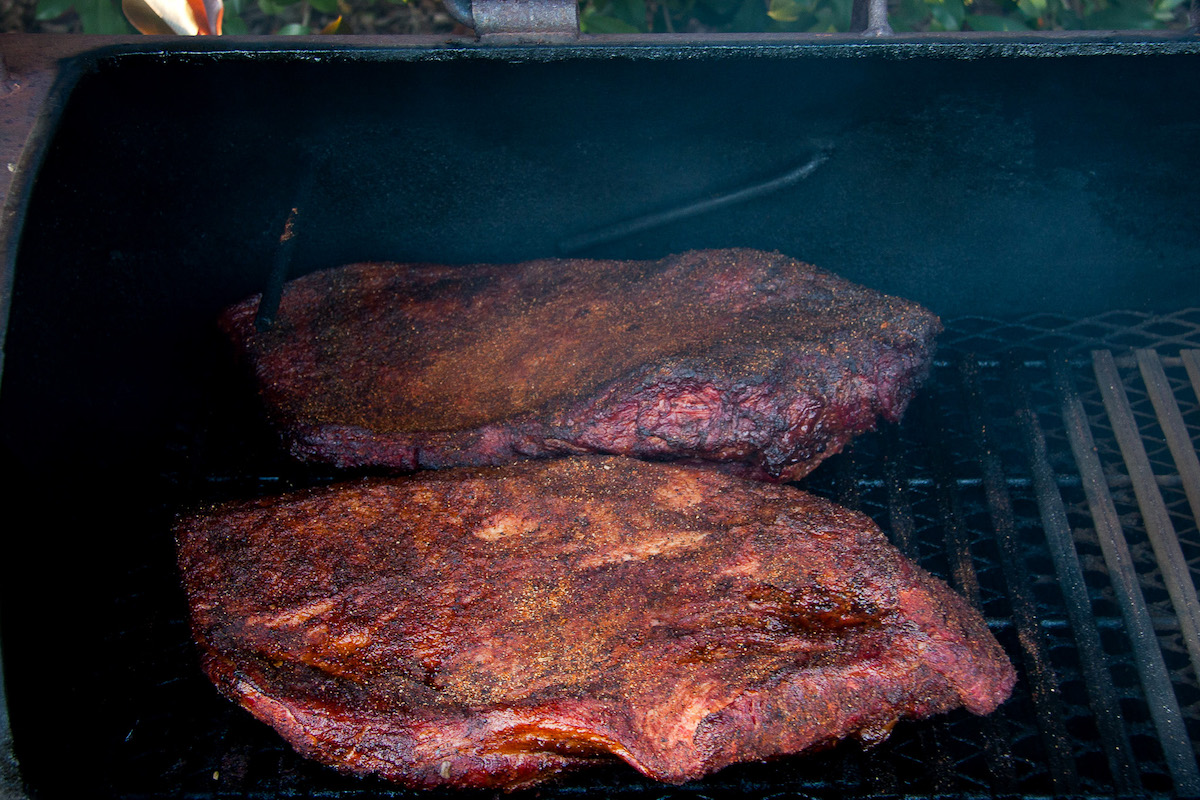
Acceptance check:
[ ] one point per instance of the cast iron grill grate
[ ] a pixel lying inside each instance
(988, 483)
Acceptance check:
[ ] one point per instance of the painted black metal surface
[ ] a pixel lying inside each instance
(498, 154)
(1039, 194)
(104, 643)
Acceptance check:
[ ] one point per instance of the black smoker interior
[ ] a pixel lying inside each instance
(1042, 201)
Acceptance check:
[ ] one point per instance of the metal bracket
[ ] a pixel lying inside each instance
(517, 18)
(870, 18)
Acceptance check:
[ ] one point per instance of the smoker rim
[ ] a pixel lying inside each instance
(38, 72)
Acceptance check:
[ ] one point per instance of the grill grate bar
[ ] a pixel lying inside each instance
(1047, 697)
(978, 486)
(995, 729)
(1156, 681)
(1017, 482)
(1157, 519)
(1191, 362)
(1162, 624)
(900, 514)
(1042, 363)
(878, 778)
(1096, 670)
(903, 533)
(958, 552)
(1171, 420)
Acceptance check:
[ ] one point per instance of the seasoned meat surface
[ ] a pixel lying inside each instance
(491, 627)
(751, 359)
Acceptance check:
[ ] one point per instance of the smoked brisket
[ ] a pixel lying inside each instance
(491, 627)
(754, 360)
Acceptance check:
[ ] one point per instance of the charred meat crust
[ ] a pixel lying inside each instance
(750, 359)
(492, 627)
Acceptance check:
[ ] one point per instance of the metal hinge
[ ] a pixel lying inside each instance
(524, 19)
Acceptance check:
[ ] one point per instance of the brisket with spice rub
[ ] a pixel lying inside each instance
(492, 627)
(750, 359)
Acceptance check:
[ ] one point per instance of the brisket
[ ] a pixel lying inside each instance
(754, 360)
(491, 627)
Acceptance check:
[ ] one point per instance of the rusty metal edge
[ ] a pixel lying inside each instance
(36, 76)
(35, 80)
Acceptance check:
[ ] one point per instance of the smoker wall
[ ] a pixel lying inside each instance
(995, 185)
(976, 180)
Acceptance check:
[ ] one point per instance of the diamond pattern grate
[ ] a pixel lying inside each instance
(956, 484)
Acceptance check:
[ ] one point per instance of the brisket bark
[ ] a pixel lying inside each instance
(755, 360)
(491, 627)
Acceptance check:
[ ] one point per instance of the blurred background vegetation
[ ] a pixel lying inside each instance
(626, 16)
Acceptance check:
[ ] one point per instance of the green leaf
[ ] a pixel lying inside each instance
(1068, 20)
(751, 16)
(1165, 10)
(823, 16)
(994, 22)
(53, 9)
(632, 12)
(613, 16)
(602, 23)
(908, 15)
(102, 17)
(1032, 9)
(786, 10)
(1122, 18)
(292, 29)
(947, 14)
(943, 19)
(232, 24)
(721, 8)
(325, 6)
(842, 11)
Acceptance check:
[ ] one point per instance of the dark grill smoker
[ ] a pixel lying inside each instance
(1039, 192)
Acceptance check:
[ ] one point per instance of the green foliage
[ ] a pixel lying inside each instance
(95, 16)
(232, 23)
(106, 17)
(1017, 15)
(276, 8)
(996, 22)
(324, 6)
(612, 16)
(817, 16)
(657, 16)
(53, 9)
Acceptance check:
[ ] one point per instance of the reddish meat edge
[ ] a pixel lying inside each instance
(701, 621)
(752, 360)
